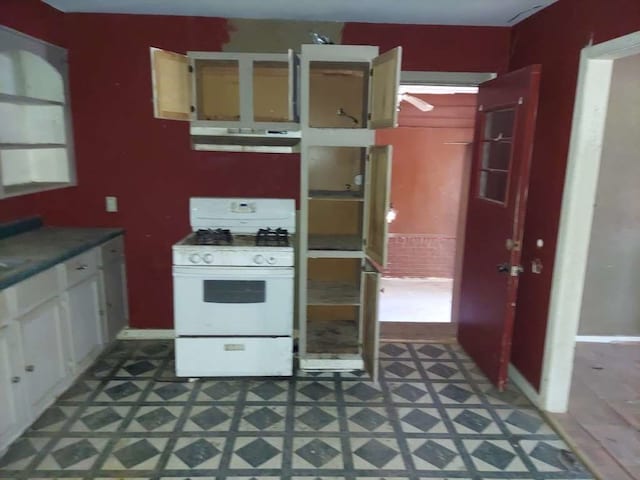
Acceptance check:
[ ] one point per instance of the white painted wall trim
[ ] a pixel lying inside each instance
(519, 381)
(583, 166)
(606, 339)
(146, 334)
(470, 79)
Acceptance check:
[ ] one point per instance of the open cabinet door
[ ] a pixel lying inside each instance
(385, 80)
(502, 147)
(378, 178)
(171, 85)
(370, 324)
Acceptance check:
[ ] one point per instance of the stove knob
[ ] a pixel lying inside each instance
(271, 260)
(195, 258)
(208, 258)
(259, 259)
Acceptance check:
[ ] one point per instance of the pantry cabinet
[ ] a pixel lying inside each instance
(346, 93)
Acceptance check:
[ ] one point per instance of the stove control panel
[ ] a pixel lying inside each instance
(267, 257)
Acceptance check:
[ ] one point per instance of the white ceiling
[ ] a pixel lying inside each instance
(430, 12)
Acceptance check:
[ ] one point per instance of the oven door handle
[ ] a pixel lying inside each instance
(239, 273)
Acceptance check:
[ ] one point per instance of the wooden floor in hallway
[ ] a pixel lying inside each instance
(603, 421)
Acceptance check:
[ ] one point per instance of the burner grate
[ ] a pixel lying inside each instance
(268, 237)
(210, 236)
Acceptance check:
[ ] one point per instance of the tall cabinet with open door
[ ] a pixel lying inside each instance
(346, 93)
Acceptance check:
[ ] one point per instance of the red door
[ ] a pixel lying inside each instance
(502, 146)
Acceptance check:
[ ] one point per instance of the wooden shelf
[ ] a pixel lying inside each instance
(351, 243)
(332, 336)
(332, 293)
(346, 195)
(24, 100)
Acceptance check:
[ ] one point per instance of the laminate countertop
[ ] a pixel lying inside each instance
(26, 253)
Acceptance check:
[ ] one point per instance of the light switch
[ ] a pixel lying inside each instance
(112, 204)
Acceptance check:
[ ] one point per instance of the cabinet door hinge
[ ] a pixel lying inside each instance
(371, 72)
(190, 68)
(368, 116)
(193, 109)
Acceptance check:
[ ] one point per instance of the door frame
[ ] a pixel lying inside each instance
(453, 79)
(579, 194)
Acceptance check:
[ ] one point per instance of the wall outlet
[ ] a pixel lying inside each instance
(111, 204)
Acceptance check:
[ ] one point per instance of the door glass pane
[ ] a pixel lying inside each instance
(493, 185)
(495, 155)
(218, 90)
(499, 124)
(271, 91)
(234, 291)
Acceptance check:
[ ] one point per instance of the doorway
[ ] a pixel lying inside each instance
(588, 168)
(600, 396)
(430, 147)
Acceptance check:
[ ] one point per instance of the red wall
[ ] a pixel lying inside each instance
(554, 38)
(148, 164)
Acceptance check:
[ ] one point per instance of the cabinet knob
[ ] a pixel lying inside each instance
(30, 368)
(82, 267)
(15, 379)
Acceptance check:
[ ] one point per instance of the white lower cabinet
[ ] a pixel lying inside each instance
(42, 353)
(14, 413)
(85, 329)
(114, 289)
(52, 326)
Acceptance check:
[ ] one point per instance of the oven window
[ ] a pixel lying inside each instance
(234, 291)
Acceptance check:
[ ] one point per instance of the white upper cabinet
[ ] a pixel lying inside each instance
(219, 89)
(171, 85)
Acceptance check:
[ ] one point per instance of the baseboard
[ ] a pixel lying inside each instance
(417, 332)
(519, 381)
(606, 339)
(146, 334)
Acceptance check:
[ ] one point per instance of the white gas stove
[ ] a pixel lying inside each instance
(233, 288)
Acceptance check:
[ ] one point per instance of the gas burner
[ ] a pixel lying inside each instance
(268, 237)
(210, 236)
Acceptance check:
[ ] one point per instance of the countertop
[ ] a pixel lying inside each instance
(44, 247)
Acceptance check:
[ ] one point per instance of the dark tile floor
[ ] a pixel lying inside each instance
(432, 416)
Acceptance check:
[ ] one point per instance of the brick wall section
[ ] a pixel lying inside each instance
(420, 255)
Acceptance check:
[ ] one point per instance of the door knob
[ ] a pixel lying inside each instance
(30, 368)
(15, 379)
(503, 267)
(513, 270)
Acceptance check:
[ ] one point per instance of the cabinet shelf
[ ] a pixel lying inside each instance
(346, 195)
(26, 100)
(332, 336)
(332, 293)
(349, 243)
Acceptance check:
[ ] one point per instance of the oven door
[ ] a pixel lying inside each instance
(233, 301)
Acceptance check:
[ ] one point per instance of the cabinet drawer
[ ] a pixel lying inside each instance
(231, 356)
(112, 250)
(36, 289)
(81, 266)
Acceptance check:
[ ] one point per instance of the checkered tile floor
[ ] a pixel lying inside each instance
(432, 416)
